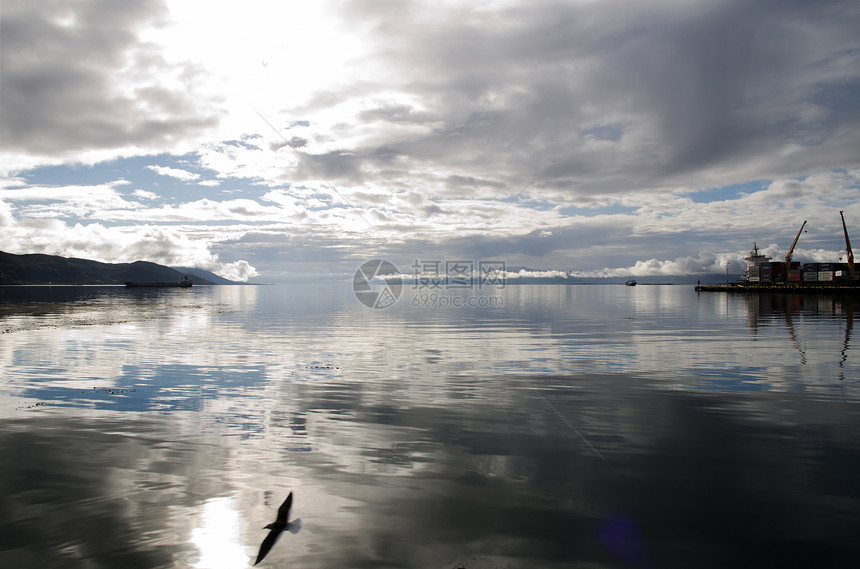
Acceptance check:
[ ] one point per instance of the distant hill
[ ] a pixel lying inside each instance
(51, 269)
(202, 275)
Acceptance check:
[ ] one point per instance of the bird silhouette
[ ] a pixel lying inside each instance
(277, 527)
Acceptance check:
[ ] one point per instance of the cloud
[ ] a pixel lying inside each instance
(589, 98)
(178, 173)
(6, 217)
(704, 263)
(294, 142)
(237, 271)
(285, 227)
(536, 274)
(573, 136)
(144, 194)
(203, 210)
(172, 246)
(67, 201)
(77, 77)
(247, 158)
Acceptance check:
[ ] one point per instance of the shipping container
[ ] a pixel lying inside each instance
(794, 276)
(755, 279)
(810, 276)
(825, 275)
(825, 266)
(810, 267)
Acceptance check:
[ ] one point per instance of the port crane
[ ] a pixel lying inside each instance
(848, 248)
(791, 249)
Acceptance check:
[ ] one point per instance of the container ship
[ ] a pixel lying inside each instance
(765, 275)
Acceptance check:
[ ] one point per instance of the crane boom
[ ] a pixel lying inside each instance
(848, 248)
(791, 250)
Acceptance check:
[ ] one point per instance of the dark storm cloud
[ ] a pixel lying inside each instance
(76, 77)
(617, 96)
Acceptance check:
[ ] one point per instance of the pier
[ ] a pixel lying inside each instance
(790, 288)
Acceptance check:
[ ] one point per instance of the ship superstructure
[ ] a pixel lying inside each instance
(754, 262)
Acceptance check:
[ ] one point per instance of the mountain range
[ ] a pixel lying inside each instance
(33, 269)
(37, 269)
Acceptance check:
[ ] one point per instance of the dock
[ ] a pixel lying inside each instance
(789, 288)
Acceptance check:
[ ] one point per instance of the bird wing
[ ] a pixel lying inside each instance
(267, 544)
(284, 510)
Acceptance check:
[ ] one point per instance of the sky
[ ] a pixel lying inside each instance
(285, 141)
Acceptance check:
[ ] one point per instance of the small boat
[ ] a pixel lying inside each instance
(184, 282)
(630, 282)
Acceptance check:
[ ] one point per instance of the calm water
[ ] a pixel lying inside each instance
(555, 426)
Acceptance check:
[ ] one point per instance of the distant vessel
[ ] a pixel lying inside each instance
(184, 282)
(631, 282)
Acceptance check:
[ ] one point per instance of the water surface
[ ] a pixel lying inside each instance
(562, 426)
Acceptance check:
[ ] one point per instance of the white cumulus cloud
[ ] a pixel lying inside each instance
(178, 173)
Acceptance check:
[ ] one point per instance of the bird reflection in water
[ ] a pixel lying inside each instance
(277, 527)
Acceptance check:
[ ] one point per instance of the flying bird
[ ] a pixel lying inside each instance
(277, 527)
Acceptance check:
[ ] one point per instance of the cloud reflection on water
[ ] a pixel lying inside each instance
(416, 439)
(711, 480)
